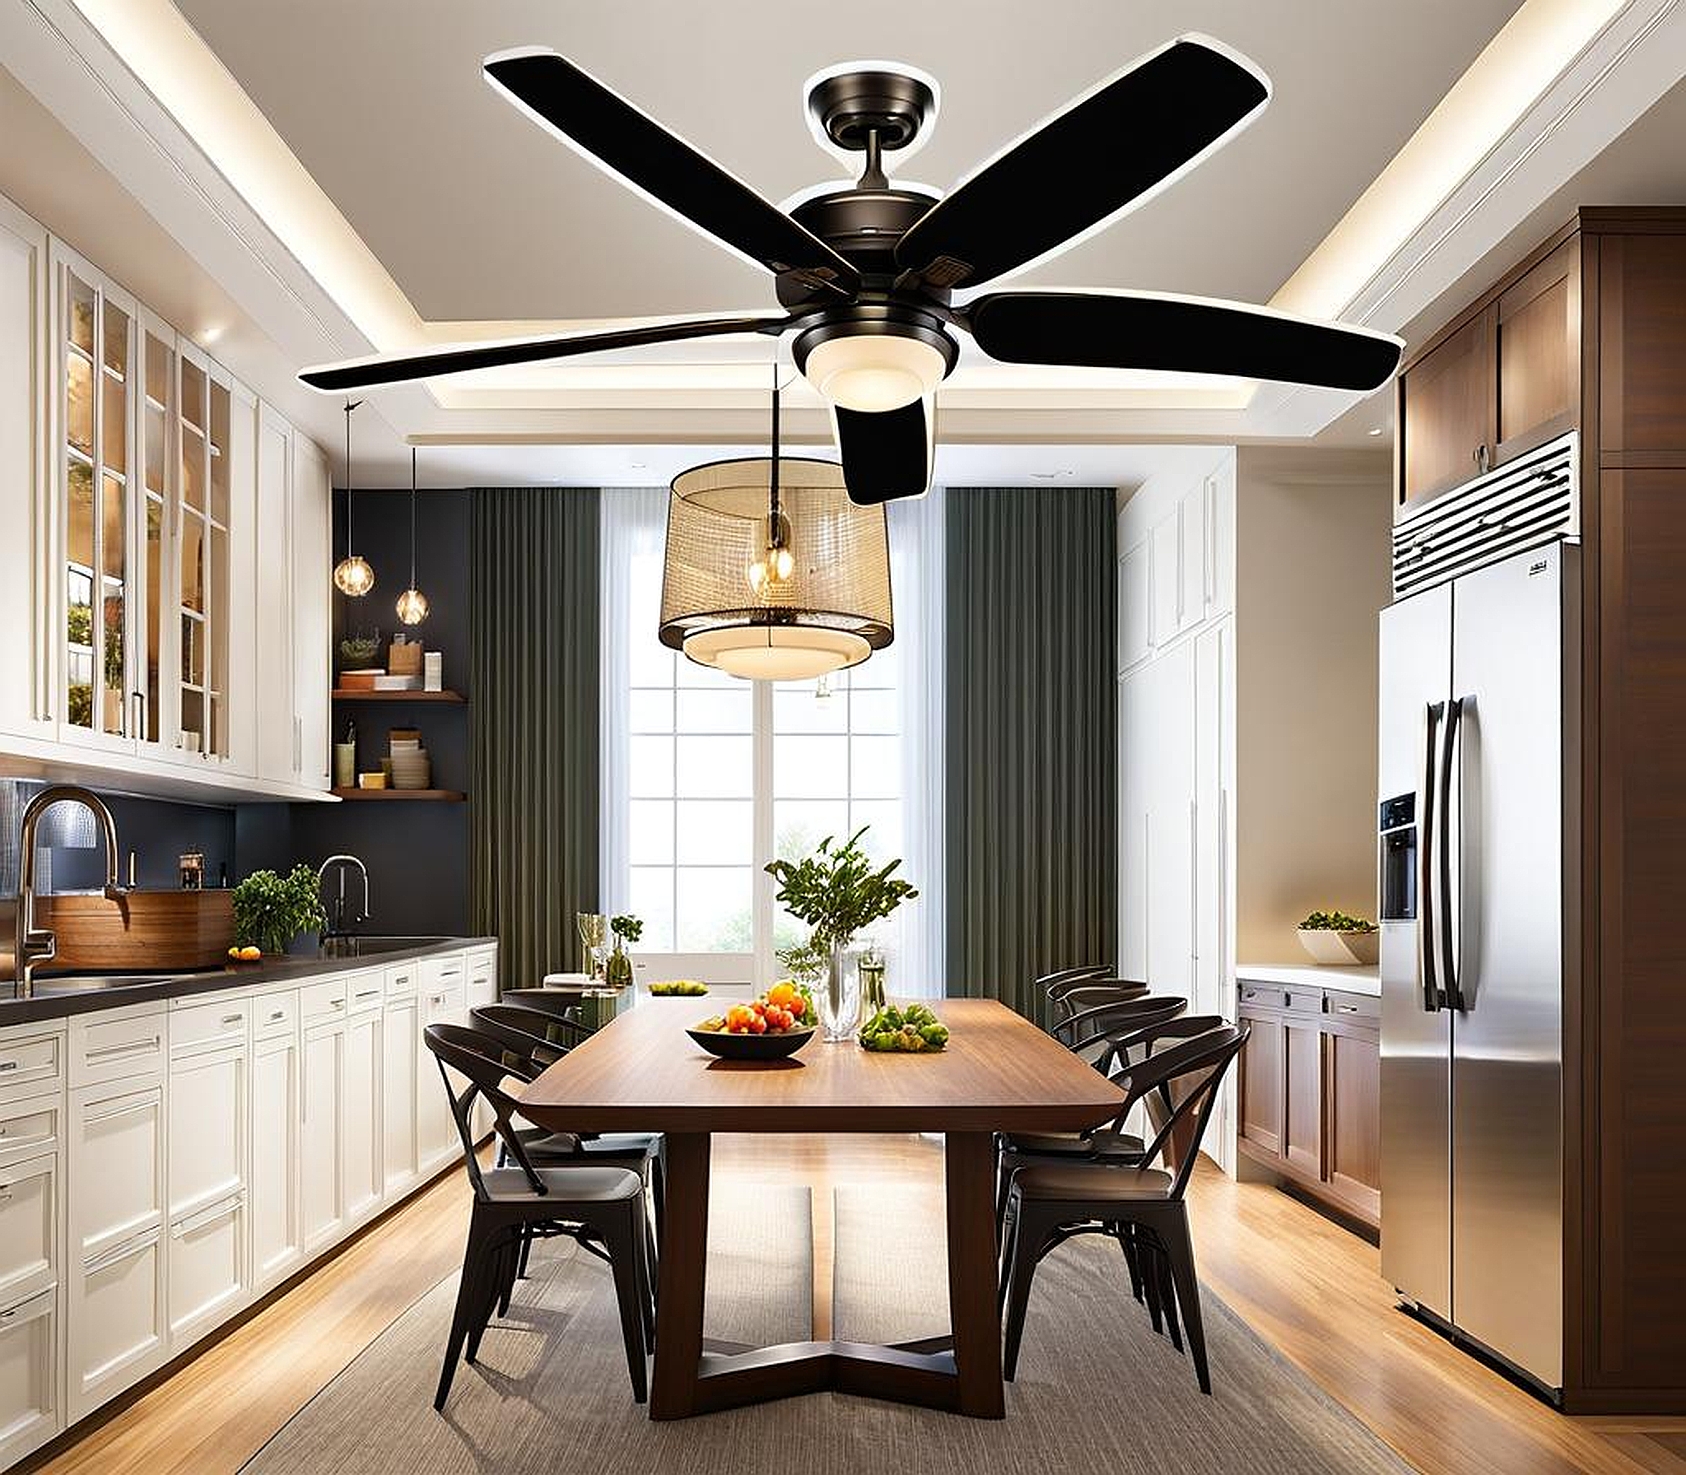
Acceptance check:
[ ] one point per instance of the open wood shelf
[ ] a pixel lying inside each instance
(437, 796)
(340, 694)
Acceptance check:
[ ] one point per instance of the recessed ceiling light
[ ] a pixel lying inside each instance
(211, 334)
(1374, 430)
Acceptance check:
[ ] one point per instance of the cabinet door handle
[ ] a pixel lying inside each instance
(277, 1015)
(137, 707)
(229, 1019)
(6, 1065)
(1482, 458)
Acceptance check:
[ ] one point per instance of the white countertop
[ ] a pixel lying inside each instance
(1310, 975)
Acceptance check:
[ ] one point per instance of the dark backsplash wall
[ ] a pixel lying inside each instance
(155, 830)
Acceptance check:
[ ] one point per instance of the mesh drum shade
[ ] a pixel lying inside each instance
(834, 609)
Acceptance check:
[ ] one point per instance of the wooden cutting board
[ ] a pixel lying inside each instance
(143, 930)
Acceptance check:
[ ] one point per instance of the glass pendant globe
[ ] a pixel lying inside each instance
(412, 606)
(353, 576)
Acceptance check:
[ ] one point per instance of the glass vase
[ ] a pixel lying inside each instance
(839, 1001)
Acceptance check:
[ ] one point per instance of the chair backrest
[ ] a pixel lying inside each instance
(1080, 1016)
(524, 1033)
(1182, 1077)
(1052, 983)
(559, 1003)
(1102, 1035)
(478, 1058)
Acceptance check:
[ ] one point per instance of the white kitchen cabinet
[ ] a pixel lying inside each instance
(277, 734)
(27, 654)
(400, 1042)
(116, 1308)
(362, 1143)
(1135, 638)
(273, 1191)
(31, 1375)
(481, 988)
(321, 1112)
(208, 1127)
(443, 1001)
(310, 551)
(1164, 579)
(29, 1226)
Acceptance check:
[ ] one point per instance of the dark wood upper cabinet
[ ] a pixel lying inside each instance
(1446, 412)
(1537, 354)
(1642, 331)
(1502, 378)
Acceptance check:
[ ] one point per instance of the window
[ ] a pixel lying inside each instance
(707, 777)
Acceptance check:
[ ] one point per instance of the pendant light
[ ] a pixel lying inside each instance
(771, 573)
(412, 603)
(352, 575)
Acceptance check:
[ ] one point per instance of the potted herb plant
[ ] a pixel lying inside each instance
(271, 910)
(626, 929)
(837, 891)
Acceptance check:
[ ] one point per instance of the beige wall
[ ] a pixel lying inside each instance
(1312, 571)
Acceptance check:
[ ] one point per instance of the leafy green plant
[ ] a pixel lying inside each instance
(271, 910)
(807, 960)
(626, 927)
(837, 891)
(1335, 922)
(359, 650)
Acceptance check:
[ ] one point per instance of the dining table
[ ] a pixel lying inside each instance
(998, 1073)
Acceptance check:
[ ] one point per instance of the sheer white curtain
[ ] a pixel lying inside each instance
(916, 573)
(634, 528)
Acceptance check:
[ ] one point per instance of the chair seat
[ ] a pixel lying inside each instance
(629, 1147)
(1101, 1145)
(1091, 1183)
(574, 1185)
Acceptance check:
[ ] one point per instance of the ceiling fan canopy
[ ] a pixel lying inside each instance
(865, 275)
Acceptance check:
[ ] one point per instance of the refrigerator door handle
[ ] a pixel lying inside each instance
(1426, 908)
(1451, 755)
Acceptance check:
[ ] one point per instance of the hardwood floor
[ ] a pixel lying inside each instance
(1306, 1286)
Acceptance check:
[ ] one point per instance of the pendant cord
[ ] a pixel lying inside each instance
(412, 517)
(350, 546)
(774, 478)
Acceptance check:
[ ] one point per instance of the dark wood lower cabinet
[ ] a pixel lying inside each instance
(1310, 1093)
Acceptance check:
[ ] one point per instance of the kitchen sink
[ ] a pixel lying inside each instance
(83, 983)
(360, 946)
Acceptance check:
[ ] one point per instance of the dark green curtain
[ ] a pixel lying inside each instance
(1031, 718)
(533, 763)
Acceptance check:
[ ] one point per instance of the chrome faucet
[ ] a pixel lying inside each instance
(37, 944)
(336, 923)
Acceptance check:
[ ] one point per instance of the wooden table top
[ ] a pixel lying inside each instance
(642, 1072)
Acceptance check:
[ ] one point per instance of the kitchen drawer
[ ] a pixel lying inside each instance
(364, 992)
(117, 1045)
(31, 1405)
(29, 1128)
(29, 1226)
(207, 1268)
(1303, 1000)
(1357, 1007)
(275, 1014)
(31, 1064)
(114, 1167)
(442, 973)
(403, 980)
(323, 1001)
(209, 1027)
(1260, 995)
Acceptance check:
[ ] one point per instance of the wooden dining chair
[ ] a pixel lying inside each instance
(1051, 1203)
(600, 1206)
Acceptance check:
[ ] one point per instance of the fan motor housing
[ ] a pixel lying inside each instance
(893, 319)
(863, 224)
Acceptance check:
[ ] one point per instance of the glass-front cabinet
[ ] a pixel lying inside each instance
(146, 422)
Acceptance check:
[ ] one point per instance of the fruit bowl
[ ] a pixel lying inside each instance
(770, 1046)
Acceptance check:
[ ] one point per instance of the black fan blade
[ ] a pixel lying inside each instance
(618, 137)
(400, 368)
(1192, 335)
(1113, 148)
(886, 454)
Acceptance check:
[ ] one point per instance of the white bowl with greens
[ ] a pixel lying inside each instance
(1335, 939)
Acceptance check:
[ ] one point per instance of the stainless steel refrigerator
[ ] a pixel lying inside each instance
(1478, 845)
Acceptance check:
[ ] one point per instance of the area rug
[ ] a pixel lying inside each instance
(1096, 1392)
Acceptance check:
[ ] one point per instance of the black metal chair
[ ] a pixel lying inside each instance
(599, 1206)
(527, 1056)
(1141, 1207)
(1119, 1027)
(1052, 985)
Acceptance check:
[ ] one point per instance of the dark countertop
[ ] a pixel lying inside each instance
(295, 968)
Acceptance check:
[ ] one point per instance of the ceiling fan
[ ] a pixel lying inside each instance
(866, 273)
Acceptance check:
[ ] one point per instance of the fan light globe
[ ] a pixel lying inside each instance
(353, 577)
(412, 606)
(873, 372)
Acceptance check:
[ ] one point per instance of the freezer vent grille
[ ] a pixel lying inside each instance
(1532, 500)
